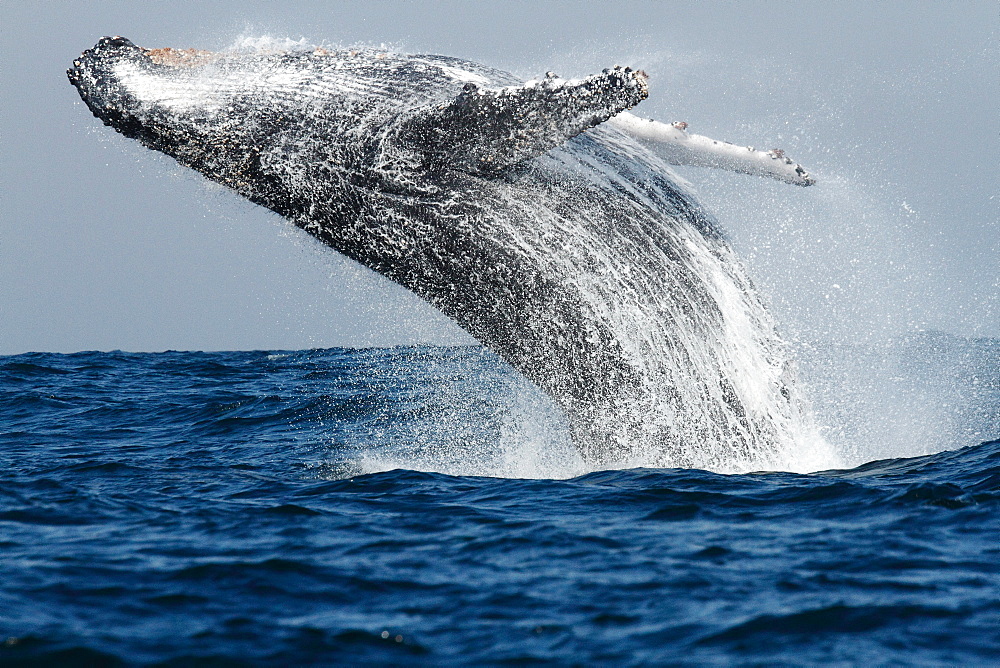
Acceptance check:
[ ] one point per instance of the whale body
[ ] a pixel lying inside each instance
(554, 237)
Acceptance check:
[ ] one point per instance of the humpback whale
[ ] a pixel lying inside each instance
(540, 215)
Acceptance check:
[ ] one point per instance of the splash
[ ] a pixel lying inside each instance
(457, 410)
(857, 268)
(261, 44)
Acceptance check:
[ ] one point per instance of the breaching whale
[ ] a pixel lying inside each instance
(539, 215)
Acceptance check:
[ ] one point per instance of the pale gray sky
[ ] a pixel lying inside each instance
(894, 106)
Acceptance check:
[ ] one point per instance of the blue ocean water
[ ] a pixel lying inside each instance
(245, 508)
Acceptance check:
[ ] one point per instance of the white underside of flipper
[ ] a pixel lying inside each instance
(671, 142)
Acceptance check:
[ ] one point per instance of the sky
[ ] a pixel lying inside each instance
(893, 106)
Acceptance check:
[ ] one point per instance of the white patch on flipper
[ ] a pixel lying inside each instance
(673, 144)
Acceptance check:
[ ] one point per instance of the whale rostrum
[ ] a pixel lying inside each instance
(541, 216)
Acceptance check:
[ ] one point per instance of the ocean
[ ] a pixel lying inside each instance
(422, 506)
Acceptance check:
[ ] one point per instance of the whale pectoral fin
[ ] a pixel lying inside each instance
(484, 130)
(672, 143)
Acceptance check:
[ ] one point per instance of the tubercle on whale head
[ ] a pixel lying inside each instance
(96, 76)
(93, 77)
(638, 78)
(155, 96)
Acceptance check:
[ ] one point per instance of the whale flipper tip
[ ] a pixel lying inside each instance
(673, 143)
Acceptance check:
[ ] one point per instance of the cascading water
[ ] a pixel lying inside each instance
(713, 387)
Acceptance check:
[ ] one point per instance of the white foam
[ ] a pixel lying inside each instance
(462, 75)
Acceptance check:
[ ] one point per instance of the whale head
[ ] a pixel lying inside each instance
(293, 129)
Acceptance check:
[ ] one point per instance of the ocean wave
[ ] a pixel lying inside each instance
(212, 507)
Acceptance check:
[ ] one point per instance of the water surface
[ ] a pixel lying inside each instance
(245, 507)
